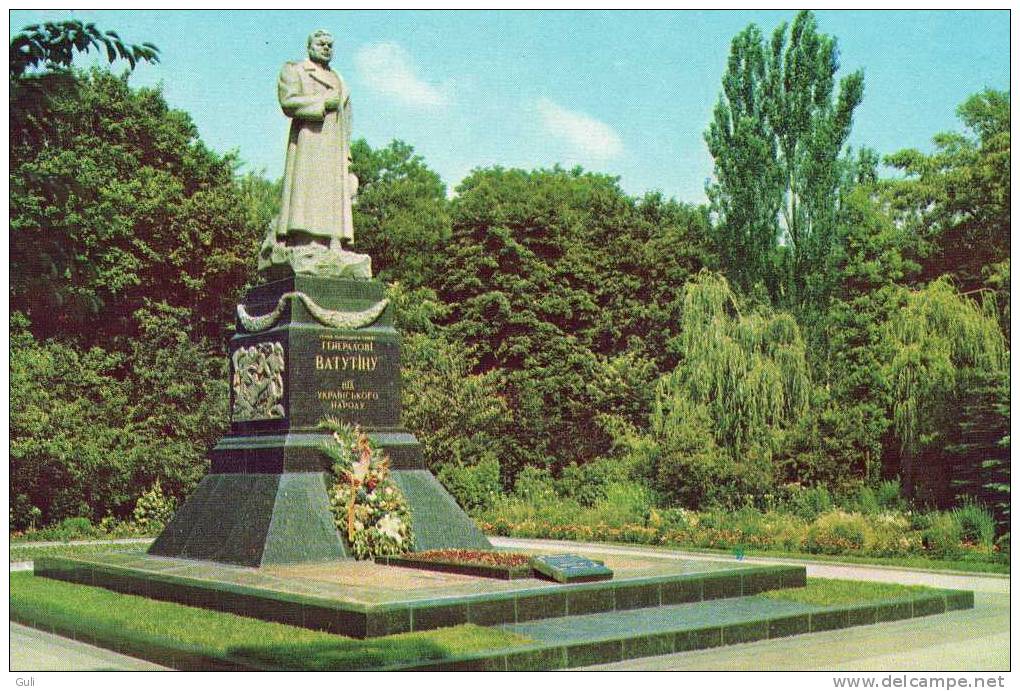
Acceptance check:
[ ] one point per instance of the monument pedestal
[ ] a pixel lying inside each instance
(307, 347)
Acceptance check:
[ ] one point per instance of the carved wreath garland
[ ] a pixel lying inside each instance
(368, 508)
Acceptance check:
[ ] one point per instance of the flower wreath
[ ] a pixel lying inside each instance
(368, 508)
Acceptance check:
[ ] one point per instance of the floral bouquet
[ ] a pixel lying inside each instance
(368, 508)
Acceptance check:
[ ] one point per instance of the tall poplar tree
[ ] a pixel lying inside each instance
(777, 134)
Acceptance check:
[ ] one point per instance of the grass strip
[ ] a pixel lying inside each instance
(827, 592)
(199, 638)
(972, 565)
(23, 553)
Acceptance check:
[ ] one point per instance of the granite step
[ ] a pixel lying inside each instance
(582, 640)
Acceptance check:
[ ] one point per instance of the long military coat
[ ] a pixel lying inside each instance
(317, 186)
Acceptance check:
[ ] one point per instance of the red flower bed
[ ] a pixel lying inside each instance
(471, 556)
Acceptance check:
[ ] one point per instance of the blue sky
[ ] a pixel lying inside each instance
(626, 93)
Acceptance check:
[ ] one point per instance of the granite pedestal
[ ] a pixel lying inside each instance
(306, 348)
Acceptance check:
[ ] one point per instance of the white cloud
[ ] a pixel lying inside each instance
(389, 69)
(587, 136)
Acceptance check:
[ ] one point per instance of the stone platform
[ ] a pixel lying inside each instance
(364, 599)
(652, 607)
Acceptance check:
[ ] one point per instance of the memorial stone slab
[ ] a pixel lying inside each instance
(570, 568)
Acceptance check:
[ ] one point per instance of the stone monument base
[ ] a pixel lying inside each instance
(306, 348)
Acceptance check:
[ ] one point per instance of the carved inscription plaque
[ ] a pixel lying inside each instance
(356, 378)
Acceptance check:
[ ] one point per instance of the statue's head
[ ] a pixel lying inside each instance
(320, 46)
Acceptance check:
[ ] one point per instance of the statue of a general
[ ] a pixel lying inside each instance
(317, 182)
(318, 185)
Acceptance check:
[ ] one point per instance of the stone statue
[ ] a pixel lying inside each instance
(318, 186)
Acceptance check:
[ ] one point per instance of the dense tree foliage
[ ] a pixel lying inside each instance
(401, 213)
(130, 242)
(550, 275)
(957, 199)
(777, 134)
(741, 383)
(562, 339)
(120, 204)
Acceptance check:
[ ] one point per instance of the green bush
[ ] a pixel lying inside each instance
(588, 483)
(687, 466)
(625, 503)
(535, 486)
(154, 509)
(23, 515)
(866, 501)
(838, 532)
(889, 496)
(475, 487)
(809, 502)
(942, 535)
(977, 526)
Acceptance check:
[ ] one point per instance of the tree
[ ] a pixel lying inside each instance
(401, 217)
(52, 46)
(744, 376)
(845, 439)
(777, 134)
(120, 203)
(957, 200)
(945, 348)
(54, 43)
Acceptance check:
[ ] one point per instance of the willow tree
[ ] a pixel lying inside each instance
(943, 345)
(746, 374)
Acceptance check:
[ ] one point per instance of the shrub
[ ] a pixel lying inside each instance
(942, 535)
(77, 528)
(23, 514)
(838, 532)
(676, 519)
(689, 468)
(154, 509)
(535, 485)
(892, 536)
(789, 532)
(977, 526)
(625, 503)
(474, 487)
(809, 502)
(866, 501)
(889, 496)
(587, 483)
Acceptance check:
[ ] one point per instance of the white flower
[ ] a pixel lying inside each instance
(390, 526)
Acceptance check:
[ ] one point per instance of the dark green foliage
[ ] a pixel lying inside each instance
(130, 242)
(957, 200)
(460, 417)
(118, 204)
(777, 134)
(91, 430)
(977, 527)
(473, 486)
(809, 502)
(979, 458)
(54, 44)
(400, 214)
(588, 484)
(690, 469)
(547, 273)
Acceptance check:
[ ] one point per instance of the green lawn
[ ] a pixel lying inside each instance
(926, 563)
(833, 592)
(70, 549)
(165, 631)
